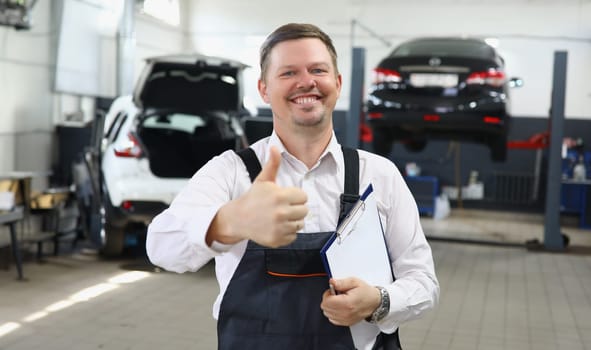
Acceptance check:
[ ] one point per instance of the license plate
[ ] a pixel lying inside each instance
(435, 80)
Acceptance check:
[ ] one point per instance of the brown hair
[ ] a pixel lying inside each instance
(293, 31)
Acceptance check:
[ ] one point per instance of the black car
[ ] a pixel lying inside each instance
(440, 88)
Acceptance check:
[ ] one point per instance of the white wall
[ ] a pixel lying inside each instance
(529, 31)
(30, 109)
(155, 38)
(25, 109)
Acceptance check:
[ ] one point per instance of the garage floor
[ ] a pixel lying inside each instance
(492, 297)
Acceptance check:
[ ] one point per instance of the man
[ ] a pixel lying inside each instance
(265, 227)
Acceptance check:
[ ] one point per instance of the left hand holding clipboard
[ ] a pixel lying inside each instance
(355, 300)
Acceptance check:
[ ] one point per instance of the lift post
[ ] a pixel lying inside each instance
(355, 98)
(553, 239)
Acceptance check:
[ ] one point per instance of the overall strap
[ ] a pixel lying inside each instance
(351, 168)
(351, 193)
(251, 161)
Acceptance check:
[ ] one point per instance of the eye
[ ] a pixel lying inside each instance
(318, 71)
(288, 73)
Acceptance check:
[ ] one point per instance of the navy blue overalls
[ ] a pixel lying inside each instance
(273, 299)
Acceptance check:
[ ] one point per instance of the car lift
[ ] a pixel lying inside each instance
(554, 240)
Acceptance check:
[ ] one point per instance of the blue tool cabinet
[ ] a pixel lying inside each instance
(425, 189)
(574, 196)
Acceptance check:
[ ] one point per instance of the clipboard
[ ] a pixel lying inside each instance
(358, 247)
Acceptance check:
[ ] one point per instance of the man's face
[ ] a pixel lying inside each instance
(301, 84)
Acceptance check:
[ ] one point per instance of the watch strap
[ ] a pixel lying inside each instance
(383, 309)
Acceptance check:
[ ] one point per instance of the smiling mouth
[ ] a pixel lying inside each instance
(303, 100)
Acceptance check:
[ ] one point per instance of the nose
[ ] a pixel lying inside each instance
(306, 81)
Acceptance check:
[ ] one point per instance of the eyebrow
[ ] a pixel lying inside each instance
(291, 66)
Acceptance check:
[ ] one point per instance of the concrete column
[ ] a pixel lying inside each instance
(126, 49)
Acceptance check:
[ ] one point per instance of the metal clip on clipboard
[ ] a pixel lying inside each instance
(358, 248)
(348, 224)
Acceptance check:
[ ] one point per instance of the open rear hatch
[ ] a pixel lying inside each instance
(190, 83)
(188, 103)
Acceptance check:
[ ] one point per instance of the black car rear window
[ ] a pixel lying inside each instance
(442, 48)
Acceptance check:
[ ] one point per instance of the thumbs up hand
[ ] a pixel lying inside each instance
(269, 171)
(268, 214)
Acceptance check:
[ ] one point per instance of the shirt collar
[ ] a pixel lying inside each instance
(333, 150)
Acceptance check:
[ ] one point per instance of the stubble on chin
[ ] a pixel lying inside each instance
(309, 122)
(317, 118)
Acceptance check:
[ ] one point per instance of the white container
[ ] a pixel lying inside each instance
(6, 200)
(472, 191)
(579, 172)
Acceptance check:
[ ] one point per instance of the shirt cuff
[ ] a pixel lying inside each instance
(389, 323)
(197, 231)
(220, 247)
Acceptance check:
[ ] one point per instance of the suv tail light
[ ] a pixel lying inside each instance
(491, 77)
(382, 75)
(129, 148)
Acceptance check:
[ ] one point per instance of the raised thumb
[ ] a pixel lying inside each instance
(269, 171)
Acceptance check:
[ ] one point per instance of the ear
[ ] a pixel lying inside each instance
(339, 83)
(262, 86)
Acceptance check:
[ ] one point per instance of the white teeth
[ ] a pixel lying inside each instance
(304, 100)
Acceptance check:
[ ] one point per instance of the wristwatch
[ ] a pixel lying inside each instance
(382, 309)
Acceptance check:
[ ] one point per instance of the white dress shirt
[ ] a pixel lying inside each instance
(176, 237)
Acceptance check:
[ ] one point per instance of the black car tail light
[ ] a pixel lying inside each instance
(431, 117)
(383, 75)
(130, 148)
(375, 115)
(492, 77)
(491, 120)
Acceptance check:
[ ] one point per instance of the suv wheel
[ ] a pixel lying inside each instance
(114, 241)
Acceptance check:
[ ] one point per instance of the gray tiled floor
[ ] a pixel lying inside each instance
(491, 297)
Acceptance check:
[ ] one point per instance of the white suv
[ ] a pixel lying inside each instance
(185, 109)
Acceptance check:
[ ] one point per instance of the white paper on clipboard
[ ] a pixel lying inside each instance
(358, 248)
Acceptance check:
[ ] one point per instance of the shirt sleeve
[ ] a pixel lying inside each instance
(176, 237)
(416, 288)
